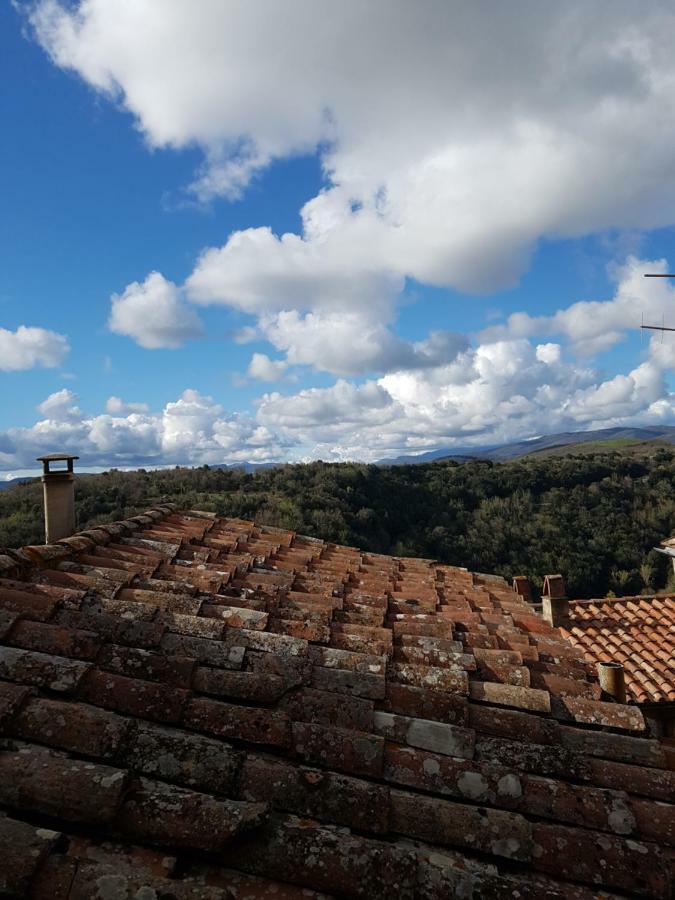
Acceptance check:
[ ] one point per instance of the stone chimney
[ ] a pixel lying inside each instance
(59, 497)
(555, 605)
(522, 587)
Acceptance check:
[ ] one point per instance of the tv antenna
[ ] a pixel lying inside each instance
(663, 327)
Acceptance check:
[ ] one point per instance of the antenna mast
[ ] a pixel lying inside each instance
(662, 327)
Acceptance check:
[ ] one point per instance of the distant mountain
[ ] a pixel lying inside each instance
(460, 454)
(11, 482)
(606, 438)
(248, 467)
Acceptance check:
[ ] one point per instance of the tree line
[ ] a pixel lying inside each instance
(595, 518)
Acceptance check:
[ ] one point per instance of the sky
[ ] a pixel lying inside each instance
(265, 231)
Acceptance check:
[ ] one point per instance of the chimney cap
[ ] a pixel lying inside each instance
(68, 458)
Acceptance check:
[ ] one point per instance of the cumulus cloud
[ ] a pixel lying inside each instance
(350, 343)
(490, 394)
(453, 136)
(594, 326)
(258, 272)
(191, 430)
(263, 368)
(117, 407)
(27, 347)
(153, 314)
(342, 406)
(451, 142)
(61, 406)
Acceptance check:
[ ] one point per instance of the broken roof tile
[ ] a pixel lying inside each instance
(12, 697)
(251, 724)
(595, 712)
(327, 796)
(44, 637)
(437, 820)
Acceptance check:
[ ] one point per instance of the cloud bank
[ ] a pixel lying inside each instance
(453, 137)
(490, 393)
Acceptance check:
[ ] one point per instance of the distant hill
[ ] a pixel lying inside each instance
(602, 439)
(4, 485)
(594, 518)
(246, 466)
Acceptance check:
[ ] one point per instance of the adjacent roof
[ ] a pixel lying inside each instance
(638, 632)
(201, 707)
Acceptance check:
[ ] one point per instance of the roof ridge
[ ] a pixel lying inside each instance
(669, 595)
(14, 560)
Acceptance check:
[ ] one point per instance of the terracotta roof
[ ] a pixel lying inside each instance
(638, 632)
(201, 707)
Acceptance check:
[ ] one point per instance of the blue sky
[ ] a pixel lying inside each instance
(425, 196)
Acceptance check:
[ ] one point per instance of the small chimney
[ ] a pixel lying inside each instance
(521, 586)
(59, 497)
(555, 605)
(612, 680)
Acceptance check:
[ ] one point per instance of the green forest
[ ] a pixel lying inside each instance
(594, 517)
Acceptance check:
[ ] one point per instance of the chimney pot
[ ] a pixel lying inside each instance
(522, 587)
(554, 586)
(613, 680)
(59, 496)
(555, 605)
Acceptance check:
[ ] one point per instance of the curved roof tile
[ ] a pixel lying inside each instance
(639, 632)
(193, 706)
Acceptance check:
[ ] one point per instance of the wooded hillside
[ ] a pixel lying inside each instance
(595, 518)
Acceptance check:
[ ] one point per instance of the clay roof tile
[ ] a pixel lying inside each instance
(236, 710)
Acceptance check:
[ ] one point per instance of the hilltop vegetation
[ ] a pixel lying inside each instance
(593, 517)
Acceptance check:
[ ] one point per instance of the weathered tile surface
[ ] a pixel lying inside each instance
(193, 706)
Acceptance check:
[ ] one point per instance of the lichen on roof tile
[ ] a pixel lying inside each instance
(204, 707)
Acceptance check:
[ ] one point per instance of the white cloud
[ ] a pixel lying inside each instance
(490, 394)
(153, 314)
(258, 272)
(340, 407)
(592, 327)
(549, 353)
(27, 347)
(192, 430)
(620, 397)
(453, 135)
(61, 406)
(263, 368)
(350, 343)
(117, 407)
